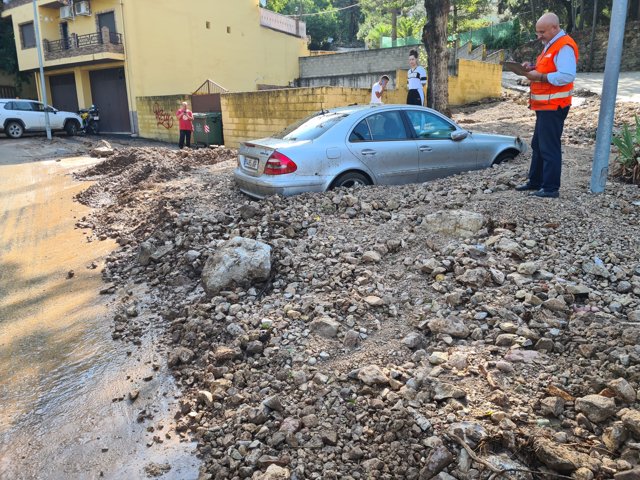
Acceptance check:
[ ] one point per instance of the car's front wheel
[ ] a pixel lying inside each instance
(14, 129)
(350, 180)
(71, 127)
(504, 157)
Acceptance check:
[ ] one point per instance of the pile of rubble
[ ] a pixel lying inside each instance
(454, 329)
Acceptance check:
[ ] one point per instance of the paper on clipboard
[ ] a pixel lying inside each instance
(514, 67)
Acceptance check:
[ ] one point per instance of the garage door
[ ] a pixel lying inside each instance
(63, 92)
(109, 93)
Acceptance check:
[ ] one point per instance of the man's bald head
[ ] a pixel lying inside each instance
(547, 27)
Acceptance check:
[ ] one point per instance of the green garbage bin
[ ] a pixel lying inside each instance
(207, 128)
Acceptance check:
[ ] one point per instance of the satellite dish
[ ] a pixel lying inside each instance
(263, 3)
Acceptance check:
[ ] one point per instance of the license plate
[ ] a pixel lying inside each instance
(95, 117)
(251, 163)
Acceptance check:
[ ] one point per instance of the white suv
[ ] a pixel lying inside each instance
(19, 116)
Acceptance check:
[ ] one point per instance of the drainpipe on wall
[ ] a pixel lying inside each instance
(133, 119)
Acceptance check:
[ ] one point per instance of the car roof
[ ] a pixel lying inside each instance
(368, 107)
(18, 100)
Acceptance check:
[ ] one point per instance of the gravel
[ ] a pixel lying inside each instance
(380, 347)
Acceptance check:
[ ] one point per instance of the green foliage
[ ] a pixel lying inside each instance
(376, 33)
(510, 40)
(330, 27)
(410, 27)
(628, 144)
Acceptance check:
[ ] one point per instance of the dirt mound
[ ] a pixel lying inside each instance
(122, 183)
(382, 347)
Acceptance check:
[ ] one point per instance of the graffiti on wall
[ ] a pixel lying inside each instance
(163, 118)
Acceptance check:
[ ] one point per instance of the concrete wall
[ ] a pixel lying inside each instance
(260, 114)
(157, 116)
(475, 81)
(630, 54)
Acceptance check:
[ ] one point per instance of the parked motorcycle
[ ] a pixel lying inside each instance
(90, 120)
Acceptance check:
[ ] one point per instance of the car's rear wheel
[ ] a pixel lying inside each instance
(71, 127)
(504, 157)
(14, 129)
(350, 180)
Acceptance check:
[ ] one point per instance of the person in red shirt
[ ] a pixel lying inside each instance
(185, 121)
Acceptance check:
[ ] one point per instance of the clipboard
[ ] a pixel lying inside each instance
(514, 67)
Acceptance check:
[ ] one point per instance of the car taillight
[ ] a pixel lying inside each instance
(279, 164)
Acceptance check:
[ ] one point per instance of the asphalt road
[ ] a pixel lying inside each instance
(628, 84)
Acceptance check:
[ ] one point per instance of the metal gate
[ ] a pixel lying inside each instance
(64, 95)
(109, 93)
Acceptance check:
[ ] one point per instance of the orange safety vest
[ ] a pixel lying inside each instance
(545, 96)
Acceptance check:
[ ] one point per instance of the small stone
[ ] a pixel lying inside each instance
(325, 327)
(553, 406)
(631, 421)
(528, 268)
(273, 402)
(371, 257)
(205, 397)
(351, 339)
(414, 340)
(623, 390)
(596, 407)
(374, 301)
(372, 375)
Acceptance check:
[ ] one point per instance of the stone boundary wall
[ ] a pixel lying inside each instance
(361, 69)
(630, 54)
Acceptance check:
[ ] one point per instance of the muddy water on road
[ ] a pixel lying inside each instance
(59, 368)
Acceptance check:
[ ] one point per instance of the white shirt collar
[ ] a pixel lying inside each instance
(561, 33)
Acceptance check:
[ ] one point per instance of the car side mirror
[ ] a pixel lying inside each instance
(51, 110)
(459, 135)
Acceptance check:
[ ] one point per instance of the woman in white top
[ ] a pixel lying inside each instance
(416, 78)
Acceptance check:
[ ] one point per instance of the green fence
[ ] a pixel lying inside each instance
(385, 42)
(507, 32)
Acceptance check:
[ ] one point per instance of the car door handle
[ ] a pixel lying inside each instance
(424, 148)
(368, 151)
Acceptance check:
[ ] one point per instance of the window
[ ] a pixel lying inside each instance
(37, 107)
(430, 126)
(386, 126)
(23, 106)
(27, 35)
(361, 133)
(311, 127)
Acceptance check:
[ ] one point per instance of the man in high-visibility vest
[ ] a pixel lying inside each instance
(551, 88)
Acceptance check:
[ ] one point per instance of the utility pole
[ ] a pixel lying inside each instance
(608, 97)
(36, 24)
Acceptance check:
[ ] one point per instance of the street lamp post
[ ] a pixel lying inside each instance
(608, 98)
(36, 24)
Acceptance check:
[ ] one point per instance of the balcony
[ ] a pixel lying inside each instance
(77, 45)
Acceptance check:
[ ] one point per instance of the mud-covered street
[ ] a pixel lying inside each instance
(64, 383)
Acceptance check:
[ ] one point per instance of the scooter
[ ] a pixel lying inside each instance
(90, 120)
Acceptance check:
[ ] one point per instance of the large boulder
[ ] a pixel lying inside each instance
(239, 262)
(461, 223)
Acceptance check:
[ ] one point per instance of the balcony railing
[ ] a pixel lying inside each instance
(83, 45)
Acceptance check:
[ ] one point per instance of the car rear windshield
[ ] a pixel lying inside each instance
(311, 127)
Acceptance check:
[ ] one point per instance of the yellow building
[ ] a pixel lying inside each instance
(125, 56)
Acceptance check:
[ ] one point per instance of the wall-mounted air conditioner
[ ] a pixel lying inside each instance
(66, 13)
(82, 8)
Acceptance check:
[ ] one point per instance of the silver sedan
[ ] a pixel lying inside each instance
(366, 145)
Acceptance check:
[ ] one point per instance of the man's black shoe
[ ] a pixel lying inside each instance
(545, 194)
(526, 186)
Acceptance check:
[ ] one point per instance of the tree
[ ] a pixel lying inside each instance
(384, 11)
(435, 41)
(323, 29)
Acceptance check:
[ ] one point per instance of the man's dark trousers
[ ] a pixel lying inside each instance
(546, 161)
(185, 135)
